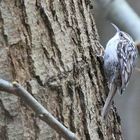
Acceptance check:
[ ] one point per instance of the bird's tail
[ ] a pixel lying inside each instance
(108, 101)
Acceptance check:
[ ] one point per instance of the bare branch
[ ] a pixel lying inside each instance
(123, 16)
(43, 114)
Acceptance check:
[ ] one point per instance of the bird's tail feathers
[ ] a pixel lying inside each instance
(108, 101)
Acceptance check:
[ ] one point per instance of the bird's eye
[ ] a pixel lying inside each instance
(121, 34)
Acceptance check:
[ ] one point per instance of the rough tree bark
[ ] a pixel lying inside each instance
(49, 47)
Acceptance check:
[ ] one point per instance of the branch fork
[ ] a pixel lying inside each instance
(16, 89)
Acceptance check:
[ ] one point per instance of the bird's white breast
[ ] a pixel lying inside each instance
(111, 49)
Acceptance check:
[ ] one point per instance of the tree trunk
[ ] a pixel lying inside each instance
(49, 47)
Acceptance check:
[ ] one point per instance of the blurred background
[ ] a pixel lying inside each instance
(128, 105)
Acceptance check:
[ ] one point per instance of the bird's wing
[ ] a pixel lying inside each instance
(126, 52)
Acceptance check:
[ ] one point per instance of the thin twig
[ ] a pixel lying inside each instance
(43, 114)
(137, 69)
(123, 16)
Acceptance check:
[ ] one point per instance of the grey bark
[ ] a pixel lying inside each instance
(49, 47)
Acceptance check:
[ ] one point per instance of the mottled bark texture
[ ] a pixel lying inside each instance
(49, 47)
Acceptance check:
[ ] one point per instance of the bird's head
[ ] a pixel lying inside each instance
(120, 34)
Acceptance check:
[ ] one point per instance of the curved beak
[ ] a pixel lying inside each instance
(117, 29)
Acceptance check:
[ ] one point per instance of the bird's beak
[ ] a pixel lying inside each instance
(117, 29)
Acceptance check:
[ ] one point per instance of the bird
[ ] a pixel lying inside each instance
(119, 61)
